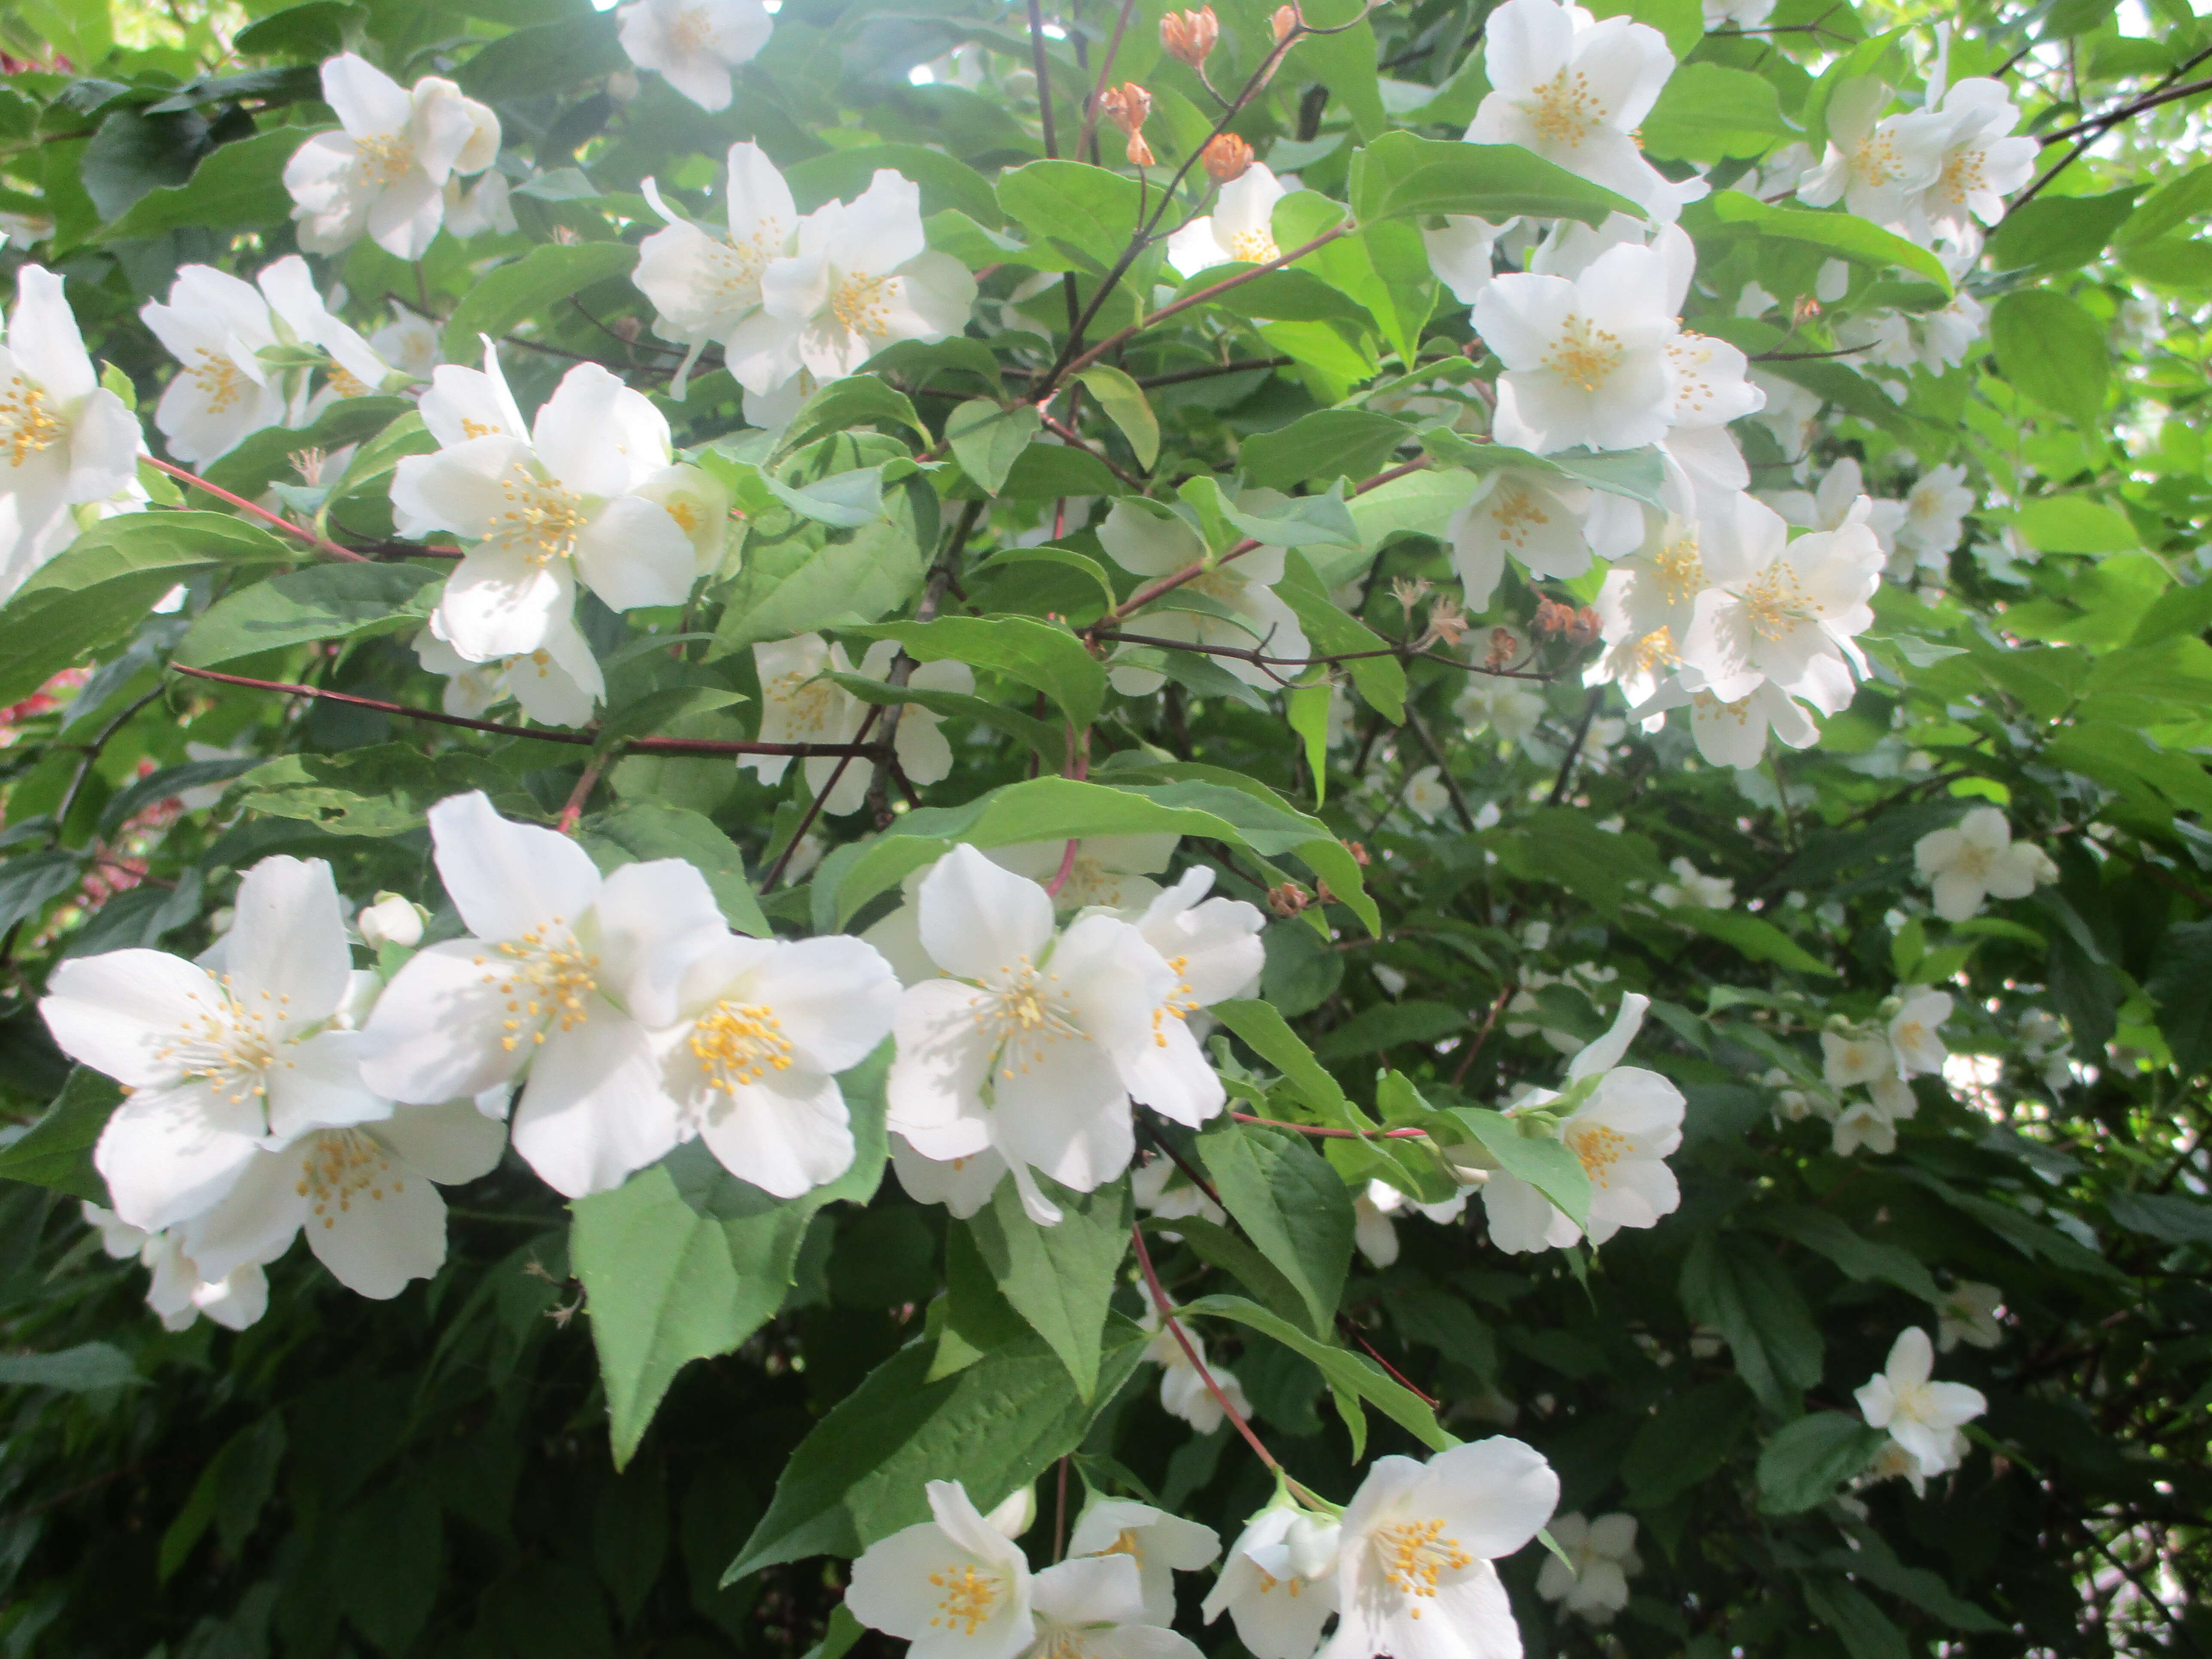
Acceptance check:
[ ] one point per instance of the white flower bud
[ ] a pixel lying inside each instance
(1015, 1515)
(390, 919)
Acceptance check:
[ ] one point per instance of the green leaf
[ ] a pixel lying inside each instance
(2178, 204)
(2164, 1216)
(1329, 443)
(799, 575)
(1046, 738)
(1037, 655)
(1332, 631)
(1089, 213)
(533, 63)
(1860, 1258)
(1386, 1024)
(1305, 709)
(1291, 1205)
(29, 881)
(2075, 524)
(1547, 1164)
(1871, 1560)
(1736, 1285)
(1689, 1436)
(135, 151)
(2060, 233)
(1126, 405)
(642, 830)
(265, 458)
(1707, 112)
(1267, 1035)
(237, 186)
(324, 602)
(1751, 936)
(314, 31)
(947, 186)
(999, 1423)
(2180, 984)
(1342, 1369)
(1864, 1629)
(81, 1369)
(56, 1151)
(856, 401)
(1233, 1254)
(685, 1260)
(1399, 176)
(380, 789)
(104, 585)
(1059, 1278)
(1854, 238)
(988, 439)
(529, 287)
(1343, 60)
(1800, 1468)
(2053, 352)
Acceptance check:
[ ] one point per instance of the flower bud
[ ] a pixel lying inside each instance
(1189, 36)
(1127, 105)
(1313, 1540)
(1227, 158)
(622, 86)
(1286, 20)
(1015, 1515)
(390, 919)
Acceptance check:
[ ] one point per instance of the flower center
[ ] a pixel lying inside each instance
(1705, 703)
(1877, 161)
(1126, 1542)
(26, 427)
(1584, 355)
(738, 1044)
(1254, 247)
(1565, 110)
(811, 705)
(384, 157)
(1775, 602)
(1413, 1552)
(545, 976)
(540, 515)
(1680, 570)
(1687, 356)
(862, 302)
(230, 1045)
(337, 1166)
(1972, 860)
(1516, 516)
(686, 514)
(1963, 173)
(1655, 651)
(693, 31)
(344, 383)
(970, 1596)
(1600, 1149)
(1180, 1003)
(1020, 1015)
(222, 383)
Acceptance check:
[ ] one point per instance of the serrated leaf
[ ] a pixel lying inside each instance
(324, 602)
(988, 439)
(1547, 1164)
(1033, 653)
(1291, 1205)
(1801, 1467)
(1059, 1278)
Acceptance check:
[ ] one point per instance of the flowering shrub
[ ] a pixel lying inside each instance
(1012, 825)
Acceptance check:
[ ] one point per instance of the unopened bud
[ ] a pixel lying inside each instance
(1227, 158)
(1552, 617)
(1127, 105)
(1287, 900)
(1139, 152)
(623, 85)
(1189, 36)
(1287, 22)
(1504, 646)
(1586, 626)
(390, 919)
(1017, 1515)
(1358, 851)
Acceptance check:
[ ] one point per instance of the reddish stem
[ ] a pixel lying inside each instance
(1191, 1353)
(1067, 869)
(281, 523)
(1327, 1133)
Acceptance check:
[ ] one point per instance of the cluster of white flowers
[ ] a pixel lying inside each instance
(1884, 1057)
(1592, 1581)
(1977, 860)
(1925, 1418)
(695, 44)
(796, 299)
(1406, 1568)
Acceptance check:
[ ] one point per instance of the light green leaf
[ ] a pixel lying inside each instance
(1342, 1369)
(1751, 936)
(1035, 654)
(988, 439)
(2053, 352)
(529, 287)
(642, 830)
(1707, 112)
(685, 1260)
(1059, 1278)
(1328, 443)
(1839, 233)
(1399, 176)
(1332, 631)
(1126, 405)
(856, 401)
(2075, 524)
(947, 186)
(1291, 1205)
(1305, 708)
(1090, 213)
(1546, 1164)
(800, 574)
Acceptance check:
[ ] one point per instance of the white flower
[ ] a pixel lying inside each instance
(1876, 165)
(1024, 1049)
(1649, 598)
(363, 1195)
(1372, 1229)
(1506, 707)
(1113, 871)
(1183, 1391)
(1241, 227)
(65, 438)
(1425, 795)
(1278, 1583)
(703, 287)
(799, 704)
(1603, 1552)
(1837, 504)
(1872, 1122)
(1212, 946)
(1161, 1544)
(559, 684)
(754, 1037)
(861, 280)
(410, 343)
(963, 1185)
(1935, 517)
(1923, 1416)
(563, 504)
(1162, 1189)
(1574, 91)
(1538, 520)
(1786, 613)
(1733, 732)
(1698, 889)
(1913, 1034)
(216, 326)
(1460, 254)
(487, 205)
(1148, 540)
(178, 1293)
(1414, 1577)
(1709, 382)
(1622, 1123)
(1968, 1313)
(218, 1065)
(1977, 860)
(390, 919)
(1585, 360)
(1979, 166)
(955, 1586)
(555, 957)
(1851, 1058)
(696, 43)
(384, 174)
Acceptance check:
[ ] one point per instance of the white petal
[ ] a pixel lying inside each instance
(115, 1012)
(594, 1110)
(633, 553)
(437, 1032)
(453, 1143)
(163, 1160)
(380, 1240)
(977, 918)
(508, 878)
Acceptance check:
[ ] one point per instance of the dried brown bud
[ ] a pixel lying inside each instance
(1358, 851)
(1287, 21)
(1125, 105)
(1806, 308)
(308, 464)
(1139, 152)
(1322, 895)
(1287, 900)
(1552, 617)
(1409, 591)
(565, 236)
(1586, 626)
(1504, 646)
(1189, 36)
(1227, 158)
(1448, 624)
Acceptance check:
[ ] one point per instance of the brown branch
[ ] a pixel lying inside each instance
(814, 806)
(1076, 442)
(329, 547)
(575, 806)
(1191, 1353)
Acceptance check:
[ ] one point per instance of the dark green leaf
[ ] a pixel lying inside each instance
(643, 831)
(1343, 1369)
(1291, 1205)
(324, 602)
(238, 186)
(1737, 1286)
(56, 1151)
(988, 439)
(1801, 1467)
(80, 1369)
(1689, 1436)
(1059, 1278)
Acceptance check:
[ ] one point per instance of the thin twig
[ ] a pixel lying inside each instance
(1325, 1132)
(321, 545)
(574, 807)
(814, 806)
